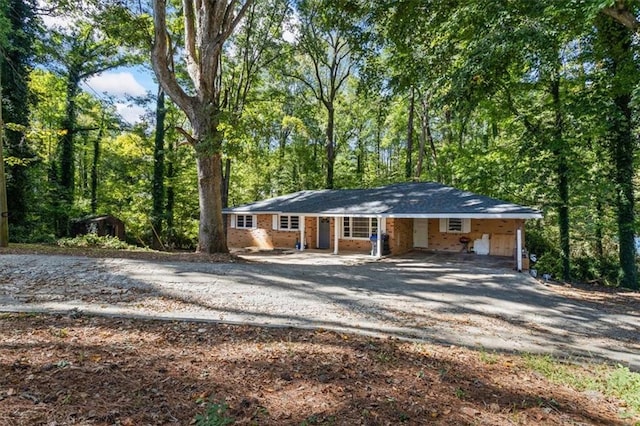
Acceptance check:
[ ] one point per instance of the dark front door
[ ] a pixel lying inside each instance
(324, 232)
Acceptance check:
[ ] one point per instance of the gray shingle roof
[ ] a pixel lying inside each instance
(415, 199)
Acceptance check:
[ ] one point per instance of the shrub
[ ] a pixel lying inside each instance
(92, 240)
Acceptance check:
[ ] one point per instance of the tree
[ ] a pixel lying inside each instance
(4, 211)
(324, 66)
(157, 189)
(623, 75)
(15, 63)
(77, 53)
(207, 25)
(4, 223)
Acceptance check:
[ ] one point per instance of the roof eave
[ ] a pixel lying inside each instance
(400, 215)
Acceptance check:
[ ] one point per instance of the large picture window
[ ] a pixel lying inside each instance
(359, 227)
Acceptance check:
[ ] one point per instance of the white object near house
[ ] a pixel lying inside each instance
(482, 246)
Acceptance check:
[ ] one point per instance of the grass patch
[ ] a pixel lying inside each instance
(614, 381)
(487, 357)
(215, 415)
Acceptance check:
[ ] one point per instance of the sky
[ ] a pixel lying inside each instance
(120, 84)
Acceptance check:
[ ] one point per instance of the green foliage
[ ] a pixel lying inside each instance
(215, 415)
(616, 381)
(5, 24)
(34, 232)
(92, 240)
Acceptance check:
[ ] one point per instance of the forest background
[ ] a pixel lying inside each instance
(531, 102)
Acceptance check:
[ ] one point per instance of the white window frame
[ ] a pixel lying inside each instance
(347, 227)
(236, 221)
(455, 225)
(285, 222)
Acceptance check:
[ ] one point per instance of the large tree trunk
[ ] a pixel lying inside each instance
(211, 233)
(212, 236)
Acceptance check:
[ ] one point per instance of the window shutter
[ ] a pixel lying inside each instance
(443, 225)
(255, 221)
(233, 220)
(274, 221)
(466, 226)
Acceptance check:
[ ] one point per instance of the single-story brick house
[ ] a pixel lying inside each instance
(419, 215)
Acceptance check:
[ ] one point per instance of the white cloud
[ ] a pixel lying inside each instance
(130, 113)
(116, 84)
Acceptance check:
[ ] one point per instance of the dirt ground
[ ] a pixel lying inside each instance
(77, 369)
(72, 369)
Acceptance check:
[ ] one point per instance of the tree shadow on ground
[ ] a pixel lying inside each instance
(119, 371)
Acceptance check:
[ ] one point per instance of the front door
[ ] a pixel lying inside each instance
(421, 233)
(324, 232)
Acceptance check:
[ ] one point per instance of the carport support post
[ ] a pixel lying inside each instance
(303, 238)
(381, 230)
(519, 249)
(336, 234)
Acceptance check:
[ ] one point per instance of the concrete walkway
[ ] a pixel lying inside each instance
(452, 300)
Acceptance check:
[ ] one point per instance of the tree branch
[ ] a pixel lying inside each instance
(190, 139)
(160, 62)
(623, 15)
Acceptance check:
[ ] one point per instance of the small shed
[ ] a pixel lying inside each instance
(101, 225)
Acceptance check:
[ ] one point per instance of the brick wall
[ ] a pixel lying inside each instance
(502, 233)
(400, 235)
(264, 237)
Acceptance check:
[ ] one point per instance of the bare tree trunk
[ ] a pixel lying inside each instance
(158, 173)
(4, 214)
(67, 155)
(409, 160)
(331, 155)
(426, 135)
(562, 170)
(94, 170)
(170, 196)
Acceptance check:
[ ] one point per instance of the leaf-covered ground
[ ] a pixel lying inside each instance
(75, 369)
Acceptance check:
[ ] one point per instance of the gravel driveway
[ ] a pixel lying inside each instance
(444, 299)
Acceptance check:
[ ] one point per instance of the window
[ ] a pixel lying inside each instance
(245, 221)
(289, 223)
(455, 225)
(359, 227)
